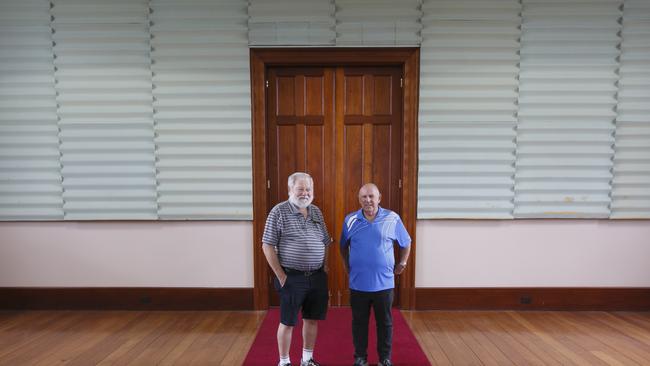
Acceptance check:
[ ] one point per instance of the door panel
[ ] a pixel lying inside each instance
(300, 125)
(370, 123)
(342, 125)
(300, 135)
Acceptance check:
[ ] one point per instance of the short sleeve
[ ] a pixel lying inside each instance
(327, 239)
(401, 235)
(343, 242)
(272, 228)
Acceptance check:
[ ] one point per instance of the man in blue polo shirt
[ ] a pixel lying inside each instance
(366, 245)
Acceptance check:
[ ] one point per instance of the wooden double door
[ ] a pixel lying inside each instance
(343, 126)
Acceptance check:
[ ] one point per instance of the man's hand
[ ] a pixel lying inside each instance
(282, 280)
(403, 259)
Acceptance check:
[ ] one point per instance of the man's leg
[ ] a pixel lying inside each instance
(382, 305)
(284, 340)
(309, 332)
(288, 315)
(314, 308)
(360, 305)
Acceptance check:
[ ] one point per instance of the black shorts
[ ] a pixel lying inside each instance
(308, 293)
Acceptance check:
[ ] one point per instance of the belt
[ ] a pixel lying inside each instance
(291, 271)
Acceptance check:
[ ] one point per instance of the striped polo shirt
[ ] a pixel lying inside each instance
(300, 242)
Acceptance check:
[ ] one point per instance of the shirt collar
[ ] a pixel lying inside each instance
(296, 211)
(380, 212)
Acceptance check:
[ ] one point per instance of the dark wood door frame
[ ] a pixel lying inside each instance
(260, 59)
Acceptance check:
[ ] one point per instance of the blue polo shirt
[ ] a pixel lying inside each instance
(371, 248)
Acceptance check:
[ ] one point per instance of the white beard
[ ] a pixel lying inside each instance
(301, 202)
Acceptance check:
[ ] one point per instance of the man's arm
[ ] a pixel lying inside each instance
(403, 258)
(274, 262)
(344, 248)
(326, 267)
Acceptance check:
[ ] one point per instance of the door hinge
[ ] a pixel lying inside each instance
(268, 184)
(400, 184)
(401, 82)
(267, 83)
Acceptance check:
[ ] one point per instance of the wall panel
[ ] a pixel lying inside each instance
(201, 106)
(468, 92)
(567, 99)
(103, 85)
(30, 169)
(631, 184)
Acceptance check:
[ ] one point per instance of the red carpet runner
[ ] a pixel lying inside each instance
(334, 342)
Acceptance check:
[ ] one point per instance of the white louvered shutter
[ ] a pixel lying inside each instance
(291, 23)
(631, 185)
(202, 109)
(468, 93)
(378, 22)
(105, 108)
(30, 176)
(567, 99)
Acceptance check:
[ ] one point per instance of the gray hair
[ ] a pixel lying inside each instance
(297, 176)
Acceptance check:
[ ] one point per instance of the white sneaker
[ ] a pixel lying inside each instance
(309, 363)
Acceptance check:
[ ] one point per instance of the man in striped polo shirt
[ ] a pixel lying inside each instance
(366, 245)
(295, 244)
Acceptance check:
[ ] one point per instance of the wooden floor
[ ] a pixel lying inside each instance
(126, 337)
(533, 338)
(223, 337)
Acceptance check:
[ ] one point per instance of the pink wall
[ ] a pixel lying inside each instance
(126, 254)
(536, 253)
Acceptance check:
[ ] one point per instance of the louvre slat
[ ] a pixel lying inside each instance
(184, 175)
(204, 113)
(206, 213)
(575, 211)
(473, 169)
(26, 213)
(378, 22)
(30, 170)
(20, 189)
(108, 214)
(201, 161)
(291, 22)
(191, 151)
(109, 193)
(190, 125)
(189, 186)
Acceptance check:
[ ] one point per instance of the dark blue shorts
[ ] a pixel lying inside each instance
(308, 293)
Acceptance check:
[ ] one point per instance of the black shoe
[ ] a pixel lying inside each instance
(360, 361)
(386, 362)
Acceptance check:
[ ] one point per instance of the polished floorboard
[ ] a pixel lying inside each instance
(224, 337)
(532, 337)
